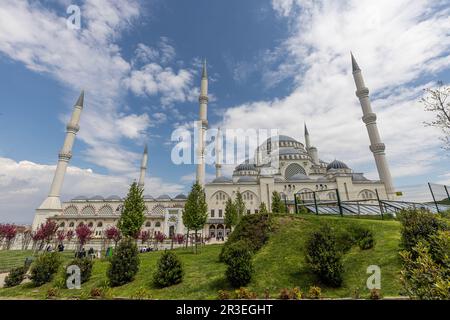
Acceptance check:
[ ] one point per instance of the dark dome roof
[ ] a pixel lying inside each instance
(222, 180)
(148, 197)
(284, 151)
(282, 138)
(180, 197)
(246, 167)
(336, 164)
(80, 198)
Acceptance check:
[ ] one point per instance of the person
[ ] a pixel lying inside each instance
(99, 254)
(91, 253)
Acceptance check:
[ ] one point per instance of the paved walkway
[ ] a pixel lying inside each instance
(2, 279)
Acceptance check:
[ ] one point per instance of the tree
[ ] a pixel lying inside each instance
(277, 205)
(124, 263)
(195, 211)
(169, 270)
(239, 204)
(263, 208)
(132, 217)
(144, 236)
(26, 239)
(159, 237)
(83, 233)
(435, 100)
(231, 217)
(60, 236)
(46, 232)
(7, 233)
(112, 233)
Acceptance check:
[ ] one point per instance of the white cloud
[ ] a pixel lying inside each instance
(396, 45)
(32, 180)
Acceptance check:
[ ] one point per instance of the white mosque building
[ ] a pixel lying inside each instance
(300, 172)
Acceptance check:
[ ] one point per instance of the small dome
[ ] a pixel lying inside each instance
(299, 176)
(180, 197)
(336, 164)
(148, 197)
(247, 179)
(97, 198)
(80, 198)
(113, 197)
(222, 180)
(281, 138)
(246, 167)
(164, 197)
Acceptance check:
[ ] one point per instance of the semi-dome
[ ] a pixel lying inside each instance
(286, 151)
(222, 180)
(80, 198)
(247, 179)
(336, 164)
(299, 176)
(97, 197)
(164, 197)
(180, 197)
(246, 167)
(148, 197)
(113, 197)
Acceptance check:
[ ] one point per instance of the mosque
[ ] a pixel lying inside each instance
(299, 172)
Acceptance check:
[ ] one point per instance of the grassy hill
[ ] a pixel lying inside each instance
(279, 264)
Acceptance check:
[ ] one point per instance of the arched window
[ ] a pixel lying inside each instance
(90, 225)
(100, 224)
(293, 169)
(71, 225)
(62, 225)
(158, 224)
(71, 210)
(105, 211)
(88, 210)
(148, 224)
(367, 194)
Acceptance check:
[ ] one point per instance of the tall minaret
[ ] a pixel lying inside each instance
(370, 119)
(143, 167)
(203, 101)
(312, 151)
(52, 204)
(307, 141)
(218, 154)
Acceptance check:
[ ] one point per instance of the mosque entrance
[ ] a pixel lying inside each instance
(220, 232)
(212, 231)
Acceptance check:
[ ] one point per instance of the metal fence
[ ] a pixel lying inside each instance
(440, 194)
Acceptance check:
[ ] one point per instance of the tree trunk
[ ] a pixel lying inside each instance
(187, 239)
(195, 239)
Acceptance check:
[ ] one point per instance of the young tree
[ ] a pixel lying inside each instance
(112, 233)
(277, 205)
(231, 217)
(83, 233)
(46, 232)
(60, 236)
(239, 205)
(132, 217)
(144, 236)
(195, 211)
(159, 237)
(436, 101)
(263, 208)
(26, 239)
(7, 233)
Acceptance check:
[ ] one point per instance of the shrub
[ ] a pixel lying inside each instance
(141, 294)
(85, 266)
(375, 294)
(323, 256)
(52, 293)
(345, 241)
(224, 255)
(169, 270)
(44, 267)
(363, 237)
(244, 293)
(294, 294)
(418, 225)
(15, 277)
(124, 263)
(96, 292)
(240, 268)
(314, 292)
(223, 295)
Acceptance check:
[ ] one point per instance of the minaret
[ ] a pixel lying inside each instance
(203, 101)
(218, 154)
(370, 119)
(52, 204)
(143, 167)
(307, 141)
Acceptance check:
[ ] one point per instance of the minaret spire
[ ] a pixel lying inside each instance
(307, 141)
(52, 204)
(203, 102)
(143, 167)
(370, 119)
(311, 150)
(218, 154)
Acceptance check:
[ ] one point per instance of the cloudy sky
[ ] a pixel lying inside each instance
(271, 64)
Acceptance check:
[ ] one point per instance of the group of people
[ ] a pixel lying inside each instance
(90, 254)
(146, 249)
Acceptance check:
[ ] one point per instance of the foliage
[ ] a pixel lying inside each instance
(7, 233)
(144, 236)
(169, 270)
(132, 216)
(124, 263)
(291, 294)
(60, 236)
(262, 208)
(195, 211)
(375, 294)
(278, 205)
(141, 294)
(113, 233)
(52, 293)
(314, 292)
(324, 257)
(85, 266)
(426, 268)
(418, 225)
(239, 204)
(244, 293)
(46, 231)
(179, 238)
(84, 234)
(44, 267)
(69, 235)
(363, 237)
(223, 295)
(240, 269)
(15, 277)
(159, 236)
(226, 251)
(231, 215)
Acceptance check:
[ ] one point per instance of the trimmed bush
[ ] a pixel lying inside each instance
(419, 225)
(85, 266)
(15, 277)
(169, 270)
(240, 268)
(44, 268)
(124, 263)
(227, 249)
(324, 257)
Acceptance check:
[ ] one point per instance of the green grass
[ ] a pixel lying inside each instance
(279, 264)
(16, 258)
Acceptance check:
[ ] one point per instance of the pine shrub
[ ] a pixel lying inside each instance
(240, 269)
(44, 268)
(124, 263)
(85, 265)
(324, 257)
(169, 270)
(15, 277)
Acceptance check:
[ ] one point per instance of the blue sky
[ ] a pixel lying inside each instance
(271, 64)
